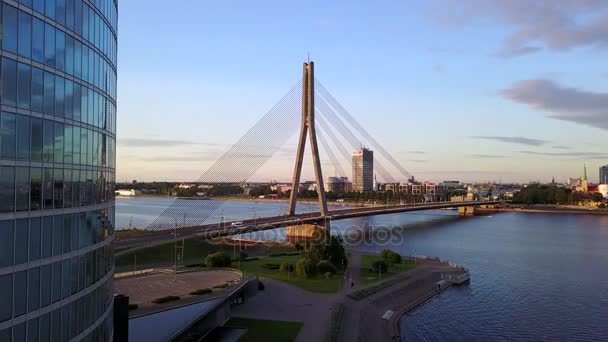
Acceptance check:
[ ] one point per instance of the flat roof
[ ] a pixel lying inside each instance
(164, 325)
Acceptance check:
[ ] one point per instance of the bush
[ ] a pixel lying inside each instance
(201, 292)
(275, 255)
(390, 257)
(271, 266)
(218, 259)
(379, 266)
(602, 206)
(133, 307)
(306, 268)
(166, 299)
(195, 265)
(250, 259)
(261, 286)
(325, 266)
(286, 267)
(221, 286)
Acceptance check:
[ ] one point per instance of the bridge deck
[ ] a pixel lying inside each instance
(215, 230)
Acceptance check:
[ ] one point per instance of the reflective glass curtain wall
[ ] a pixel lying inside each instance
(57, 169)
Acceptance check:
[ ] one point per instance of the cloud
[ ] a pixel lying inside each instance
(150, 142)
(439, 69)
(486, 156)
(514, 140)
(418, 160)
(568, 104)
(590, 155)
(534, 25)
(560, 147)
(416, 152)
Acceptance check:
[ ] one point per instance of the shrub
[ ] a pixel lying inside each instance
(275, 255)
(286, 267)
(602, 206)
(218, 259)
(133, 307)
(325, 266)
(260, 286)
(221, 286)
(195, 265)
(390, 257)
(379, 266)
(250, 259)
(200, 292)
(301, 267)
(306, 268)
(271, 266)
(165, 299)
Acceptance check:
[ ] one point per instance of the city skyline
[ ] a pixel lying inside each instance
(537, 114)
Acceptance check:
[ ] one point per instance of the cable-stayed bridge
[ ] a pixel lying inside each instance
(311, 109)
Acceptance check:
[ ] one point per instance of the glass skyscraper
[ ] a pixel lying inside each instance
(57, 162)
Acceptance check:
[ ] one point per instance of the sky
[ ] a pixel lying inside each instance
(482, 90)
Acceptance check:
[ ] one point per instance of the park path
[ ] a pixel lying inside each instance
(284, 302)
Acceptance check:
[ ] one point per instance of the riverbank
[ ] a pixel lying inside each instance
(378, 314)
(544, 209)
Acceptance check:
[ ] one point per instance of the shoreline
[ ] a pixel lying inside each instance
(545, 210)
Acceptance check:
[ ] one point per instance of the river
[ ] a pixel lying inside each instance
(533, 276)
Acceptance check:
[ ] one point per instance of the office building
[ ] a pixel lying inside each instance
(604, 174)
(363, 170)
(57, 162)
(338, 185)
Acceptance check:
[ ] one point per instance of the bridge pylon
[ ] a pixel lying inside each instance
(308, 127)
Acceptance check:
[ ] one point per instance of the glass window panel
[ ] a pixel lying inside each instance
(32, 330)
(7, 236)
(9, 82)
(76, 102)
(67, 142)
(8, 135)
(49, 93)
(56, 285)
(25, 34)
(37, 136)
(69, 8)
(48, 141)
(69, 97)
(58, 142)
(21, 241)
(35, 238)
(37, 90)
(20, 294)
(33, 290)
(76, 145)
(49, 45)
(38, 41)
(45, 290)
(65, 281)
(60, 50)
(35, 188)
(69, 55)
(59, 96)
(67, 188)
(24, 86)
(22, 188)
(85, 63)
(39, 5)
(7, 191)
(19, 331)
(50, 9)
(45, 325)
(78, 59)
(9, 23)
(47, 237)
(75, 229)
(78, 16)
(58, 188)
(47, 192)
(6, 296)
(23, 137)
(83, 146)
(60, 11)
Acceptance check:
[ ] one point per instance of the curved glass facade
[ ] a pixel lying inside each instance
(57, 169)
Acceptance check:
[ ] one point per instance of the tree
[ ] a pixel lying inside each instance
(218, 259)
(325, 266)
(306, 268)
(379, 266)
(597, 197)
(286, 267)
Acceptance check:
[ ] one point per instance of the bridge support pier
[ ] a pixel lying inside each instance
(467, 211)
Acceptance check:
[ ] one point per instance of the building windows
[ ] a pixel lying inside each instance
(25, 34)
(24, 86)
(8, 135)
(49, 45)
(37, 136)
(6, 295)
(7, 236)
(23, 137)
(9, 82)
(22, 182)
(9, 23)
(7, 194)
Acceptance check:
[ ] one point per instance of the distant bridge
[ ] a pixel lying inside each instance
(222, 229)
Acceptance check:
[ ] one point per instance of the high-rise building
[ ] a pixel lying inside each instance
(363, 170)
(604, 174)
(57, 162)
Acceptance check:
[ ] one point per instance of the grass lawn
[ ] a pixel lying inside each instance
(367, 276)
(265, 330)
(316, 284)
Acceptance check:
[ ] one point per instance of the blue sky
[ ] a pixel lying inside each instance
(491, 90)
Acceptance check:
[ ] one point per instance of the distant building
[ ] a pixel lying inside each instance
(186, 186)
(604, 174)
(338, 185)
(363, 170)
(451, 183)
(584, 185)
(603, 189)
(573, 181)
(127, 192)
(434, 191)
